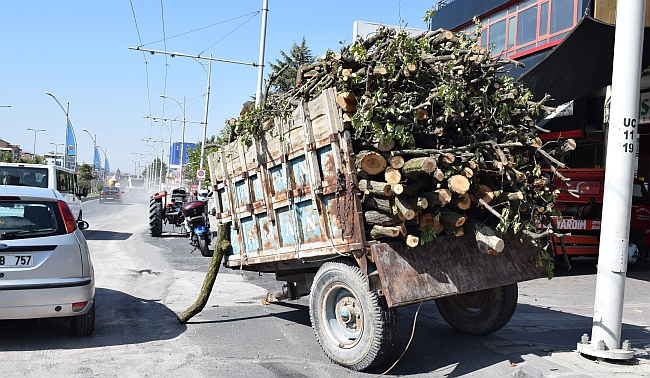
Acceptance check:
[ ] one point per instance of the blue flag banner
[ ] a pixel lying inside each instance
(107, 169)
(70, 142)
(97, 164)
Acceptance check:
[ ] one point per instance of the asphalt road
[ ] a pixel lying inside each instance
(144, 282)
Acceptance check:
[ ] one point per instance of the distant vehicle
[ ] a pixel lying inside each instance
(111, 194)
(45, 266)
(46, 176)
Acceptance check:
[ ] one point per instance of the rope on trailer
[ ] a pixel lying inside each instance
(415, 318)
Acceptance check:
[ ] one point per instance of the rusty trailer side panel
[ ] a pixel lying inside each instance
(450, 265)
(291, 193)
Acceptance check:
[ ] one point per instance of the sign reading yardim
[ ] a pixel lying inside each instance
(200, 174)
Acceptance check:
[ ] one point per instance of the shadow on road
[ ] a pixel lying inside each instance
(105, 235)
(120, 319)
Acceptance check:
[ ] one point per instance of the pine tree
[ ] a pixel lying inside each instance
(297, 56)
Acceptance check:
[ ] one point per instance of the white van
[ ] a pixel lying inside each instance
(55, 177)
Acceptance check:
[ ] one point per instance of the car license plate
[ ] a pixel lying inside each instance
(200, 230)
(16, 260)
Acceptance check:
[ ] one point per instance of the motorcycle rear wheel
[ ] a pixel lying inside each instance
(204, 245)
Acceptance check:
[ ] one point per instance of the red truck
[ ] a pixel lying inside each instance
(581, 217)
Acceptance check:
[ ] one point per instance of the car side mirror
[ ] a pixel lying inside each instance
(82, 224)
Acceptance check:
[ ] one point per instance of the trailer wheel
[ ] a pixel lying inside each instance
(155, 217)
(480, 312)
(354, 326)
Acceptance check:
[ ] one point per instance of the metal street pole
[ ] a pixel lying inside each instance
(205, 120)
(180, 183)
(260, 67)
(35, 131)
(619, 180)
(67, 122)
(56, 151)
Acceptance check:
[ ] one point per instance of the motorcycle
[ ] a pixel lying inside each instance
(197, 224)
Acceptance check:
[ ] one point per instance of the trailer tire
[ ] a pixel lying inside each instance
(480, 312)
(155, 217)
(338, 293)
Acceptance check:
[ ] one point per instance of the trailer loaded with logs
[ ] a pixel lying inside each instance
(398, 170)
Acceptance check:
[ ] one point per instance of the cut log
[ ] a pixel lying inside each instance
(404, 207)
(467, 172)
(440, 197)
(407, 190)
(347, 101)
(487, 194)
(392, 175)
(464, 201)
(375, 188)
(396, 162)
(379, 232)
(412, 241)
(563, 149)
(370, 162)
(451, 219)
(381, 204)
(458, 184)
(414, 167)
(426, 220)
(486, 238)
(384, 147)
(438, 175)
(375, 217)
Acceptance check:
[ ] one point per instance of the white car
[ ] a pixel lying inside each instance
(45, 266)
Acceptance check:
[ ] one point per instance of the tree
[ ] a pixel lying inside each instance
(194, 158)
(298, 55)
(6, 157)
(154, 168)
(85, 176)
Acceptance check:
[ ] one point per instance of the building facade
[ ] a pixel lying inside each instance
(558, 41)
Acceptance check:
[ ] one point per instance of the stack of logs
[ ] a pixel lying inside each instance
(444, 142)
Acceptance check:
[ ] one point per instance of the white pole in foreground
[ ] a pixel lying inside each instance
(619, 179)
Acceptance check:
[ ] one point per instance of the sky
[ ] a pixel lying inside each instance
(79, 52)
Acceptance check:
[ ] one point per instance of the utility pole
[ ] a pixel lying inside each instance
(260, 62)
(619, 179)
(205, 121)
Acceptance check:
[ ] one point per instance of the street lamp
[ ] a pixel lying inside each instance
(35, 131)
(162, 154)
(56, 151)
(67, 119)
(94, 138)
(182, 136)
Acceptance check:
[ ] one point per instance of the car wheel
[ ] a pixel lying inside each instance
(83, 325)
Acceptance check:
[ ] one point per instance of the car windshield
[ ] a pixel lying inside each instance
(23, 176)
(110, 189)
(28, 219)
